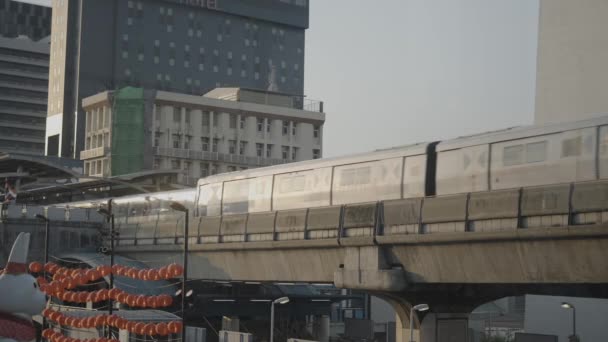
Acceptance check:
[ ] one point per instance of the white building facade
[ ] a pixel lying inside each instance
(206, 135)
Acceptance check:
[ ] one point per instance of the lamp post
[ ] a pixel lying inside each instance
(282, 300)
(567, 305)
(110, 217)
(419, 307)
(47, 224)
(180, 207)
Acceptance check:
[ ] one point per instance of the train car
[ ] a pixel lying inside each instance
(382, 175)
(524, 156)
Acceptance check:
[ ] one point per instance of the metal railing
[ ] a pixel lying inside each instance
(563, 205)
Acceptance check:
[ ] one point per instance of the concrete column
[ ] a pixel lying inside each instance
(230, 323)
(321, 328)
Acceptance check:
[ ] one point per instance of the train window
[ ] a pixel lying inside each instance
(236, 197)
(357, 176)
(302, 189)
(210, 199)
(572, 147)
(292, 184)
(536, 152)
(247, 195)
(372, 181)
(513, 155)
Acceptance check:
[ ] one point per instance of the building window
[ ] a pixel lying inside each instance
(242, 147)
(231, 168)
(187, 142)
(233, 121)
(216, 118)
(285, 152)
(285, 127)
(242, 123)
(232, 146)
(175, 164)
(260, 125)
(259, 149)
(316, 154)
(214, 168)
(268, 150)
(268, 122)
(157, 136)
(294, 153)
(214, 146)
(177, 114)
(177, 141)
(205, 144)
(187, 166)
(294, 125)
(188, 113)
(206, 118)
(204, 169)
(316, 131)
(156, 163)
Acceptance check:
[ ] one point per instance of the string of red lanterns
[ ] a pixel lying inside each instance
(141, 328)
(162, 273)
(63, 279)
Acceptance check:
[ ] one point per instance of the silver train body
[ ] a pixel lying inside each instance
(511, 158)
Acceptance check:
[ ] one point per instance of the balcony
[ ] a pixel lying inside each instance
(215, 156)
(94, 153)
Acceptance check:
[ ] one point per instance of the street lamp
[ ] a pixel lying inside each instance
(281, 301)
(419, 307)
(567, 305)
(180, 207)
(47, 224)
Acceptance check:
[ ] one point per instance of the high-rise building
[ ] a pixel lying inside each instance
(229, 129)
(24, 19)
(24, 69)
(185, 46)
(571, 64)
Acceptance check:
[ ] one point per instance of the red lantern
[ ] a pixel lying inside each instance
(166, 300)
(36, 267)
(122, 297)
(150, 301)
(142, 274)
(161, 329)
(151, 274)
(132, 273)
(105, 270)
(130, 326)
(150, 329)
(113, 293)
(176, 270)
(140, 328)
(163, 273)
(173, 327)
(141, 301)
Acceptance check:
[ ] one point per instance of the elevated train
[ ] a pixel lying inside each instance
(506, 159)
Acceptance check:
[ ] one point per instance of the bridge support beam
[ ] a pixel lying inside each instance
(435, 327)
(366, 268)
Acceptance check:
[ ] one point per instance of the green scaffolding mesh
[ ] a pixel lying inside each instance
(128, 131)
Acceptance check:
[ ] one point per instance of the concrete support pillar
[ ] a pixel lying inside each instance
(445, 327)
(321, 328)
(231, 323)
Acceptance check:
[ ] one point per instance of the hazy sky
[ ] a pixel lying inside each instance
(394, 72)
